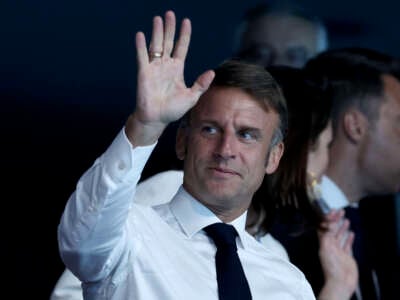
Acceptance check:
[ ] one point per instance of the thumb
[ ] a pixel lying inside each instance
(202, 83)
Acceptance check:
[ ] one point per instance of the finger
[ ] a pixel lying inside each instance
(141, 49)
(348, 244)
(331, 223)
(343, 229)
(343, 233)
(326, 219)
(182, 45)
(169, 33)
(157, 37)
(327, 222)
(324, 226)
(334, 215)
(202, 83)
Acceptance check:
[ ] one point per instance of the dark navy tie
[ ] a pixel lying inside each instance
(232, 282)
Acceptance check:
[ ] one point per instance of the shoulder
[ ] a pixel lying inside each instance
(159, 188)
(273, 245)
(271, 261)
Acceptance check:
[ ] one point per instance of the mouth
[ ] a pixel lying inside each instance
(224, 172)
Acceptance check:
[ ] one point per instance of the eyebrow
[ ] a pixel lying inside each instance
(243, 127)
(216, 123)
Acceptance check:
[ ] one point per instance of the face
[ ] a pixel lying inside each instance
(225, 149)
(281, 40)
(380, 156)
(318, 157)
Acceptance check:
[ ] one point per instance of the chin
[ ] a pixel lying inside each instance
(220, 194)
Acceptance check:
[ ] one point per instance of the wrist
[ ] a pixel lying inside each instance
(335, 291)
(142, 133)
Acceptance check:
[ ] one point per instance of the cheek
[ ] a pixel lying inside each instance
(255, 173)
(199, 149)
(324, 163)
(383, 148)
(317, 163)
(255, 163)
(324, 158)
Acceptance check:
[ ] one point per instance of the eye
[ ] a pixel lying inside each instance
(248, 135)
(261, 54)
(209, 130)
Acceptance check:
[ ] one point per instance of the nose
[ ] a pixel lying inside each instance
(225, 148)
(285, 59)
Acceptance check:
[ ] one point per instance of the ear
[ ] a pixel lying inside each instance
(354, 125)
(274, 157)
(181, 143)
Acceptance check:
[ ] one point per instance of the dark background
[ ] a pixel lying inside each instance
(67, 84)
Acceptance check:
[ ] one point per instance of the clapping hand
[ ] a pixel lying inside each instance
(339, 266)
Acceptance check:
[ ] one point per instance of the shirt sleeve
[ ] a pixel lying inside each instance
(67, 287)
(91, 232)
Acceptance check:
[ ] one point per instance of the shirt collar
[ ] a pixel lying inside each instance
(332, 194)
(193, 216)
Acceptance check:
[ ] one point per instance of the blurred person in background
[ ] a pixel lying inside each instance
(280, 33)
(362, 85)
(289, 203)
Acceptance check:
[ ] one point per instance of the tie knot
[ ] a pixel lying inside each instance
(223, 235)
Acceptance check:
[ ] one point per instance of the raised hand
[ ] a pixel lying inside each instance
(162, 95)
(339, 266)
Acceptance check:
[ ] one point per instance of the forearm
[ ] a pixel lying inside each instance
(92, 225)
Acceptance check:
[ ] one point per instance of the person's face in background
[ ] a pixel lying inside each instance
(280, 40)
(379, 161)
(318, 157)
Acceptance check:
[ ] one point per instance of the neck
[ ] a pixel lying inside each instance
(347, 179)
(225, 207)
(344, 167)
(226, 215)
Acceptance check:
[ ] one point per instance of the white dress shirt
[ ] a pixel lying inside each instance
(157, 189)
(332, 194)
(124, 250)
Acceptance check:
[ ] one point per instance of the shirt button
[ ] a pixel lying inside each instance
(121, 165)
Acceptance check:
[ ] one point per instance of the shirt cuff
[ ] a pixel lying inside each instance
(122, 162)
